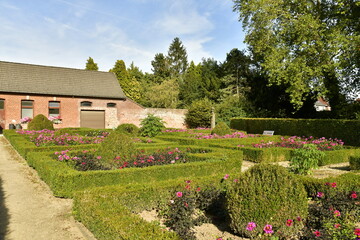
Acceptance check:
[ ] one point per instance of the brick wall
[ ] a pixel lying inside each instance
(125, 111)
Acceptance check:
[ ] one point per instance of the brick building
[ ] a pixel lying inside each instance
(81, 98)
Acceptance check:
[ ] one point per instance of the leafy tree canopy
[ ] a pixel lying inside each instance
(91, 65)
(305, 45)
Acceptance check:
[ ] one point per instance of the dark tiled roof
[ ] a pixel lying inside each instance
(58, 81)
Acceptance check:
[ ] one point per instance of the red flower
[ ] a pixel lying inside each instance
(333, 185)
(357, 232)
(317, 233)
(353, 195)
(337, 225)
(187, 187)
(289, 222)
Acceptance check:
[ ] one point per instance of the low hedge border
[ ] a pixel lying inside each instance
(110, 212)
(346, 130)
(63, 180)
(346, 182)
(355, 162)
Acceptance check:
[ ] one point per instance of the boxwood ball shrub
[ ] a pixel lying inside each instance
(266, 195)
(40, 122)
(199, 114)
(116, 149)
(221, 129)
(128, 128)
(151, 126)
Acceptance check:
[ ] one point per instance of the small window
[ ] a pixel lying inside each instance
(111, 105)
(86, 104)
(2, 104)
(54, 109)
(27, 108)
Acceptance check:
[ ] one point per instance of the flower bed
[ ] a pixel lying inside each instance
(295, 142)
(48, 138)
(88, 160)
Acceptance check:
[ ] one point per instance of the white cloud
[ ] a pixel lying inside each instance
(182, 18)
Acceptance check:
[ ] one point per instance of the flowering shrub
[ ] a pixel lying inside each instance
(158, 158)
(25, 120)
(332, 215)
(233, 135)
(294, 142)
(81, 161)
(47, 138)
(55, 119)
(186, 209)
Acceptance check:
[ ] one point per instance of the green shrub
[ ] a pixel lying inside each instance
(116, 149)
(221, 129)
(346, 130)
(305, 159)
(199, 114)
(266, 194)
(354, 162)
(40, 122)
(128, 128)
(151, 126)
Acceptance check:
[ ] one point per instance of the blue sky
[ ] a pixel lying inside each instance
(66, 32)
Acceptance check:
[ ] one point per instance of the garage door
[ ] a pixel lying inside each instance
(92, 119)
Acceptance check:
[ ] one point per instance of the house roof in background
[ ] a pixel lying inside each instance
(321, 102)
(47, 80)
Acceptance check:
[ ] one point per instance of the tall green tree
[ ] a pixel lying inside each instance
(91, 65)
(210, 79)
(163, 95)
(160, 66)
(177, 58)
(306, 46)
(129, 84)
(191, 87)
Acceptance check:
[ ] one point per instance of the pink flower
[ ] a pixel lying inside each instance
(320, 194)
(98, 157)
(198, 189)
(236, 180)
(289, 222)
(268, 229)
(337, 213)
(317, 233)
(353, 195)
(226, 176)
(179, 194)
(333, 184)
(337, 225)
(357, 232)
(251, 226)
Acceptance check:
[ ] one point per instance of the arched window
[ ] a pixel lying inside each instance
(111, 104)
(86, 104)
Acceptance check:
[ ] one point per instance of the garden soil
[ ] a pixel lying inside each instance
(28, 210)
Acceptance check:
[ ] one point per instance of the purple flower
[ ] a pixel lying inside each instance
(268, 229)
(250, 226)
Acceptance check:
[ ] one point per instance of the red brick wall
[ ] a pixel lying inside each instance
(125, 112)
(69, 109)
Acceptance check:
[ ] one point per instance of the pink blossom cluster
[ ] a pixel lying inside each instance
(48, 138)
(298, 142)
(233, 135)
(174, 130)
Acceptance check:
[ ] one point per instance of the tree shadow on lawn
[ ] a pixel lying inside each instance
(4, 215)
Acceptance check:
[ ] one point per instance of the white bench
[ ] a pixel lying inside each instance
(268, 133)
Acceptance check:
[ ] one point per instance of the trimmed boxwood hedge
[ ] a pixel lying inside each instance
(63, 180)
(110, 212)
(346, 130)
(355, 162)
